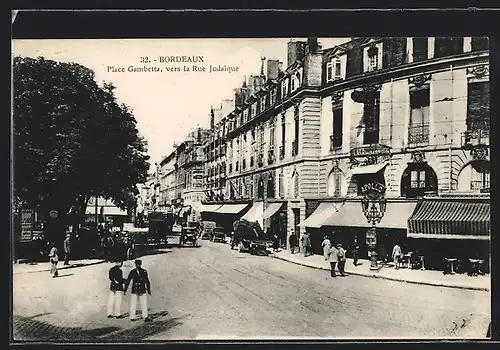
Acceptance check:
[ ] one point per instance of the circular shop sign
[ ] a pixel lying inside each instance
(53, 214)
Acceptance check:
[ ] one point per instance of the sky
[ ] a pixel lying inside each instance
(168, 104)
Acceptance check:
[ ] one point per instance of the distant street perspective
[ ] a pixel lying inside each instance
(251, 189)
(215, 292)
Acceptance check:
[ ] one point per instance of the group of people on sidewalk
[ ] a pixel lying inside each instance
(336, 255)
(140, 289)
(54, 255)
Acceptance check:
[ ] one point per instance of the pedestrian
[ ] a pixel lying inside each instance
(140, 286)
(293, 242)
(54, 259)
(342, 259)
(115, 290)
(355, 251)
(67, 248)
(396, 255)
(276, 243)
(305, 241)
(326, 244)
(333, 255)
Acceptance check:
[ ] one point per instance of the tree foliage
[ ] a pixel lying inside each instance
(72, 139)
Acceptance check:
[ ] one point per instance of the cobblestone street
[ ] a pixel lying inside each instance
(215, 292)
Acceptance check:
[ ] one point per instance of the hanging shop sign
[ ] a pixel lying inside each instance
(371, 238)
(27, 221)
(373, 190)
(53, 214)
(372, 154)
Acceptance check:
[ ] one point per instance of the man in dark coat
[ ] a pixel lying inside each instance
(67, 249)
(140, 286)
(115, 290)
(293, 242)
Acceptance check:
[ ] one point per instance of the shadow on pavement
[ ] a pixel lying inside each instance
(27, 328)
(65, 275)
(142, 252)
(142, 329)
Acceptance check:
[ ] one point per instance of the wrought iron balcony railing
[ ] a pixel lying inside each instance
(418, 134)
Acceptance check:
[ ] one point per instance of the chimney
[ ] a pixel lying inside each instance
(295, 51)
(212, 118)
(273, 69)
(263, 59)
(280, 66)
(312, 45)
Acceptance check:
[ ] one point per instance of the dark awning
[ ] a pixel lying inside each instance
(322, 213)
(351, 215)
(271, 210)
(451, 219)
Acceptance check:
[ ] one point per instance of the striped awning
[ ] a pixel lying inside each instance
(451, 219)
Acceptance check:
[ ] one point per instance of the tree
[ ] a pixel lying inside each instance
(72, 139)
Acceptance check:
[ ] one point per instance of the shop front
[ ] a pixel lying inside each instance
(349, 222)
(316, 214)
(275, 214)
(447, 229)
(228, 213)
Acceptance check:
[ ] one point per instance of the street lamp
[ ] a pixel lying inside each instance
(374, 209)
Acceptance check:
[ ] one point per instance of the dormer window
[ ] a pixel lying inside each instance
(373, 58)
(334, 69)
(254, 109)
(284, 88)
(262, 103)
(273, 96)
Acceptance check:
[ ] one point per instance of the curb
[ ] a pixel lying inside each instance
(61, 268)
(435, 284)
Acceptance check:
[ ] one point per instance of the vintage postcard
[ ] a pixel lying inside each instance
(257, 188)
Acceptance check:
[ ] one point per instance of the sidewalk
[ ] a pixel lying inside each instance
(427, 277)
(45, 266)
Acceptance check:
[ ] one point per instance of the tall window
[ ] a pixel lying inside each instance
(262, 103)
(478, 106)
(295, 143)
(271, 134)
(420, 48)
(371, 118)
(270, 187)
(283, 135)
(337, 110)
(282, 185)
(418, 132)
(447, 46)
(260, 189)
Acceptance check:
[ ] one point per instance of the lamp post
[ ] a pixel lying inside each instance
(374, 205)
